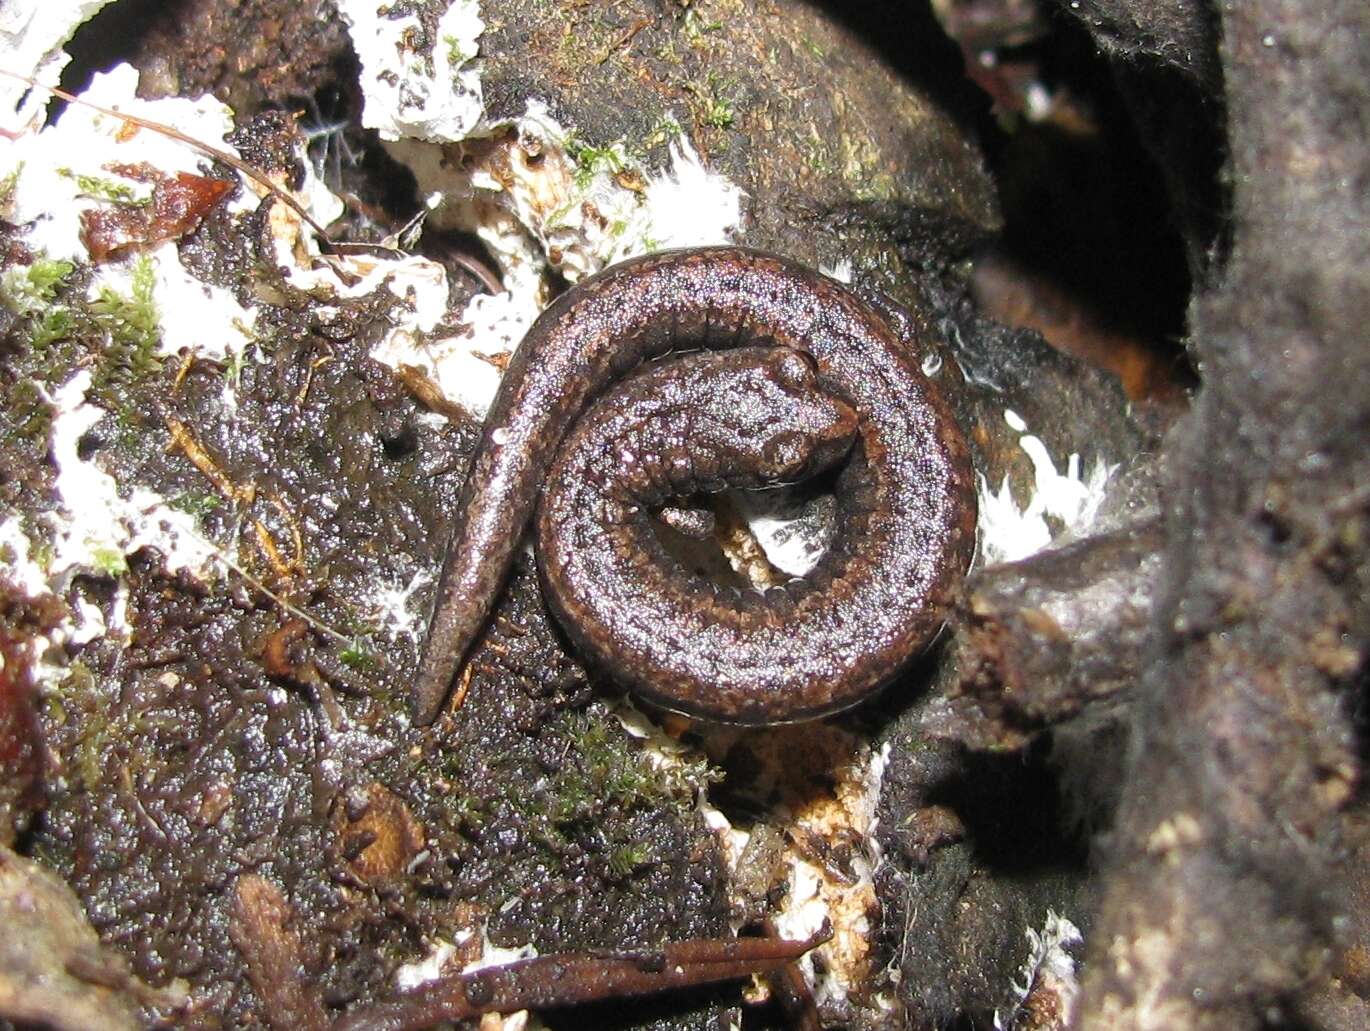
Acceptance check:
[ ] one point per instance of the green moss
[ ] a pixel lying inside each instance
(197, 503)
(234, 363)
(104, 189)
(713, 106)
(116, 335)
(663, 131)
(456, 56)
(8, 183)
(27, 291)
(818, 154)
(610, 769)
(357, 656)
(592, 805)
(101, 727)
(719, 113)
(466, 814)
(76, 696)
(48, 327)
(29, 415)
(109, 561)
(52, 326)
(695, 26)
(628, 857)
(131, 318)
(40, 547)
(606, 769)
(590, 160)
(611, 159)
(130, 323)
(32, 293)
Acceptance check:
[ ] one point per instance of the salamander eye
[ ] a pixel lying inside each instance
(796, 371)
(786, 455)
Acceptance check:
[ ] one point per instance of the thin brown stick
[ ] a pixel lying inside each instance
(571, 978)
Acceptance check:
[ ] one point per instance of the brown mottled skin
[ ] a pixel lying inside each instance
(905, 499)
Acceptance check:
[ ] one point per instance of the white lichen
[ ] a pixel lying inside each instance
(688, 205)
(32, 34)
(16, 556)
(393, 605)
(431, 966)
(1009, 533)
(840, 270)
(97, 525)
(1049, 968)
(463, 364)
(414, 87)
(816, 896)
(794, 542)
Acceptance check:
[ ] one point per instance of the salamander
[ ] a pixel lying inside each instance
(906, 502)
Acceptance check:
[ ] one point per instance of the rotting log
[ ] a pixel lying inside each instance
(1222, 883)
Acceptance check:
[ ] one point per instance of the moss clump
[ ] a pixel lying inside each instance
(358, 657)
(627, 858)
(50, 327)
(622, 157)
(105, 189)
(8, 183)
(608, 770)
(611, 159)
(597, 808)
(695, 26)
(28, 291)
(129, 323)
(196, 503)
(77, 697)
(29, 415)
(116, 334)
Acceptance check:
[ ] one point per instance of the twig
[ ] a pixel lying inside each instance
(570, 978)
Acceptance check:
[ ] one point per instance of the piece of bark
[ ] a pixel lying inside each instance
(1047, 638)
(53, 970)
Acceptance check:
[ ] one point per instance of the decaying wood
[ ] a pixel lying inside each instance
(1222, 885)
(54, 972)
(1045, 639)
